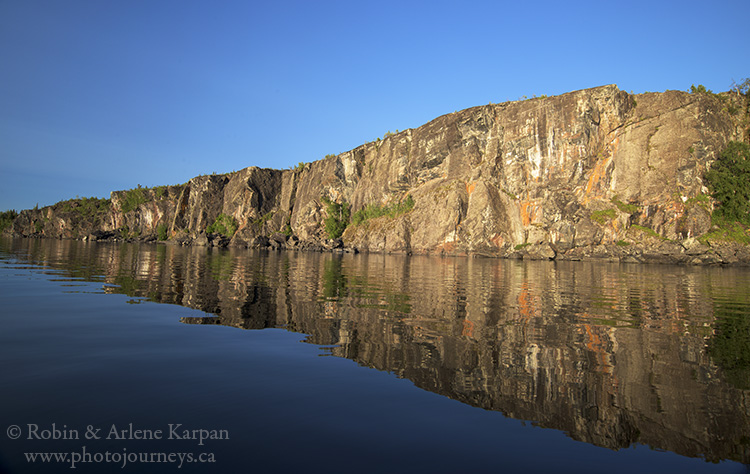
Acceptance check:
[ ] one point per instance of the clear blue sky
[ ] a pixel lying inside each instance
(98, 96)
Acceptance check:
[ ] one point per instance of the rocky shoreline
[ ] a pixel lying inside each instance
(686, 252)
(593, 174)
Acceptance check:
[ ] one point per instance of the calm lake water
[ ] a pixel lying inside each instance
(134, 358)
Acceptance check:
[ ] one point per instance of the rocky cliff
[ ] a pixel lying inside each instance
(592, 173)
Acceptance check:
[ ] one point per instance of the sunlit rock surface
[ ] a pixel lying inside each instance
(596, 173)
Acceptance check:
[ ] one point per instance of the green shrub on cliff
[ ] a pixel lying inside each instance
(6, 219)
(133, 198)
(729, 182)
(162, 232)
(700, 89)
(224, 225)
(262, 220)
(84, 207)
(338, 217)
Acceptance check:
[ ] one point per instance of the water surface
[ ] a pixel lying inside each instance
(372, 363)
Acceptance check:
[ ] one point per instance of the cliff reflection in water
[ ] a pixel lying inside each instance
(611, 354)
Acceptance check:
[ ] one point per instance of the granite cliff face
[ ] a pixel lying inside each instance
(592, 173)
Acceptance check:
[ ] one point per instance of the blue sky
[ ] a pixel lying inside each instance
(100, 96)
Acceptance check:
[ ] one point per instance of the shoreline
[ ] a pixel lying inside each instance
(688, 252)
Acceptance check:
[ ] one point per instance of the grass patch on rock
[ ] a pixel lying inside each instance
(373, 211)
(603, 216)
(724, 230)
(626, 208)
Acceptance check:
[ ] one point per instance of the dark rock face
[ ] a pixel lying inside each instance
(596, 173)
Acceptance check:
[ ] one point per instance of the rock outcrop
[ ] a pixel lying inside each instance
(597, 173)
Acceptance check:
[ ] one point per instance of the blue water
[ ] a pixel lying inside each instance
(375, 385)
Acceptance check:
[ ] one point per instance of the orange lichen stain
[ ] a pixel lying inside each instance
(673, 209)
(594, 182)
(468, 329)
(528, 212)
(615, 144)
(470, 187)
